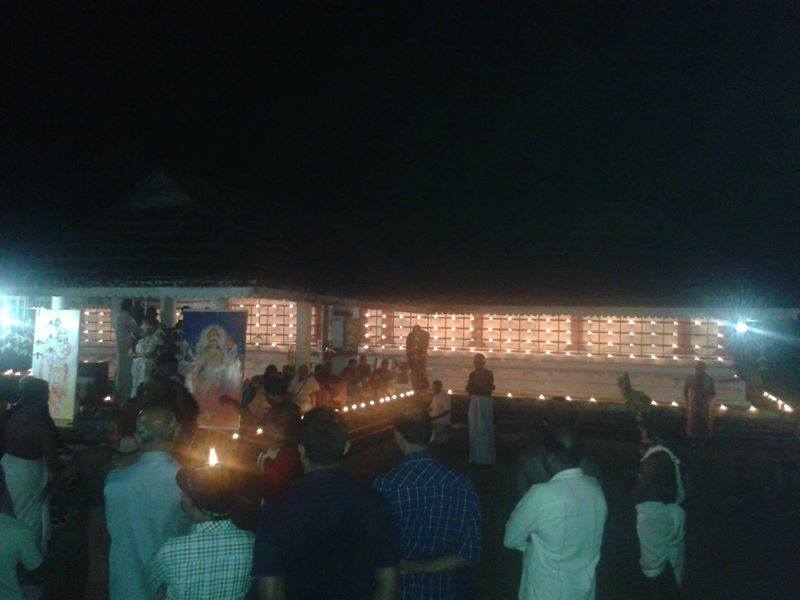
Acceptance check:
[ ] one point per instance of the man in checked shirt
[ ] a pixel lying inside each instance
(436, 514)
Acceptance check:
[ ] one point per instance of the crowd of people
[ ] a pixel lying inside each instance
(284, 520)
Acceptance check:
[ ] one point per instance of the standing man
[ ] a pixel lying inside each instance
(143, 506)
(558, 525)
(481, 414)
(213, 560)
(326, 537)
(417, 357)
(435, 511)
(698, 393)
(659, 516)
(127, 331)
(439, 411)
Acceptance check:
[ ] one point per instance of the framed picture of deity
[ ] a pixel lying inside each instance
(212, 361)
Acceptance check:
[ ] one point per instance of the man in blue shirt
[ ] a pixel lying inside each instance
(326, 537)
(436, 513)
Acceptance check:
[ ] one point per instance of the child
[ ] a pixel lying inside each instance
(440, 414)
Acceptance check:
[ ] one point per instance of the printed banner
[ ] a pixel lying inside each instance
(213, 349)
(55, 357)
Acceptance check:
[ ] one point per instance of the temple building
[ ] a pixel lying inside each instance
(575, 351)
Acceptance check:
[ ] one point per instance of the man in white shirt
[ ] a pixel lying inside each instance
(304, 390)
(558, 526)
(143, 506)
(17, 548)
(126, 330)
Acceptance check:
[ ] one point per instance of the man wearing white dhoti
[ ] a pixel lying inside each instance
(481, 415)
(30, 442)
(127, 330)
(144, 357)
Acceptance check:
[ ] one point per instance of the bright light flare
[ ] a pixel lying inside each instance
(212, 457)
(742, 327)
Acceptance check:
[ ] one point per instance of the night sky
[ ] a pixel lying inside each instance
(580, 152)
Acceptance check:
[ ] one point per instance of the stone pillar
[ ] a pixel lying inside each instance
(303, 335)
(222, 304)
(168, 317)
(58, 302)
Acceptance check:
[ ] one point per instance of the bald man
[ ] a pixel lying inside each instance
(143, 506)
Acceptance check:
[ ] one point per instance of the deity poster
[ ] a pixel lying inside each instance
(213, 348)
(55, 357)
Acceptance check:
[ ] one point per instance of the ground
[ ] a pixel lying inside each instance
(743, 531)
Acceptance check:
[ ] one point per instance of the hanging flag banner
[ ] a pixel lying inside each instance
(213, 349)
(55, 358)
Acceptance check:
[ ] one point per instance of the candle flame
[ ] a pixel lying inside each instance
(259, 431)
(212, 457)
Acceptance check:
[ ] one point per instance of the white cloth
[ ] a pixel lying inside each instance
(126, 329)
(558, 526)
(17, 547)
(680, 494)
(143, 366)
(661, 532)
(26, 481)
(481, 431)
(142, 512)
(440, 404)
(302, 391)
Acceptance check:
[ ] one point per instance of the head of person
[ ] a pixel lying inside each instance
(700, 368)
(479, 361)
(156, 428)
(436, 387)
(167, 365)
(302, 372)
(624, 383)
(34, 393)
(207, 493)
(282, 428)
(656, 426)
(416, 328)
(288, 372)
(385, 363)
(270, 371)
(127, 305)
(275, 390)
(413, 430)
(351, 364)
(323, 440)
(362, 360)
(562, 448)
(151, 314)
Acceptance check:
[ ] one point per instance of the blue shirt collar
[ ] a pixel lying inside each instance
(416, 456)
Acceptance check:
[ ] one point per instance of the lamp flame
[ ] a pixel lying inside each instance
(212, 457)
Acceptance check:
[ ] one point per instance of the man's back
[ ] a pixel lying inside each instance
(325, 537)
(559, 526)
(436, 512)
(142, 511)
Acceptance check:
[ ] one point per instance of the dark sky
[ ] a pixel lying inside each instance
(575, 151)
